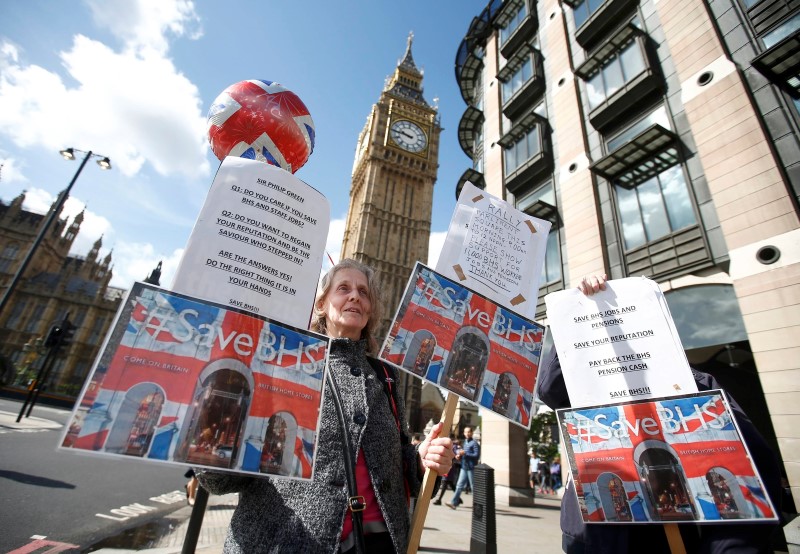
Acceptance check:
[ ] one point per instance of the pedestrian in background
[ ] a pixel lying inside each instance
(470, 457)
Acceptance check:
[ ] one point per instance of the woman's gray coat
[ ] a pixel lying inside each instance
(286, 515)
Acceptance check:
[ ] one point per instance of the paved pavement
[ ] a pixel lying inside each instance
(446, 531)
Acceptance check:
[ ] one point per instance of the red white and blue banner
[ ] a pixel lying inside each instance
(461, 341)
(188, 381)
(672, 459)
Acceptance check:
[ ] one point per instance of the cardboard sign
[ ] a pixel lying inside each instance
(667, 460)
(188, 381)
(461, 341)
(258, 242)
(618, 344)
(495, 250)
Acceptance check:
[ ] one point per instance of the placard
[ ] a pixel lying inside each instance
(187, 381)
(258, 242)
(461, 341)
(495, 250)
(667, 460)
(618, 344)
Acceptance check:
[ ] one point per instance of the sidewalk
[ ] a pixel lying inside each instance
(445, 531)
(8, 420)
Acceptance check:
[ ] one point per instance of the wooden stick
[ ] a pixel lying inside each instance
(674, 538)
(425, 492)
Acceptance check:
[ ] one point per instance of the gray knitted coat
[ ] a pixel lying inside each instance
(285, 515)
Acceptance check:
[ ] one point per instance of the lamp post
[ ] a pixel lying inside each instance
(68, 154)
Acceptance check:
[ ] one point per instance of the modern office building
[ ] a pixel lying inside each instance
(661, 138)
(55, 285)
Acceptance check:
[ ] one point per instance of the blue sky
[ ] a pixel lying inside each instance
(134, 79)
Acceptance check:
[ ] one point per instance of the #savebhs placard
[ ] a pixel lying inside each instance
(461, 341)
(672, 459)
(188, 381)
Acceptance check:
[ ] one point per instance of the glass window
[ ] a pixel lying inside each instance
(8, 256)
(655, 208)
(522, 151)
(513, 25)
(16, 313)
(625, 66)
(631, 60)
(584, 10)
(551, 270)
(784, 30)
(659, 115)
(517, 80)
(35, 319)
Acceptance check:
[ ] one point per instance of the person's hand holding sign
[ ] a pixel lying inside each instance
(592, 284)
(435, 452)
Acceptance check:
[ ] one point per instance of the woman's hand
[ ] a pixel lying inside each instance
(592, 284)
(436, 452)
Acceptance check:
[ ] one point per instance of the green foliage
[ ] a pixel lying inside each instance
(543, 435)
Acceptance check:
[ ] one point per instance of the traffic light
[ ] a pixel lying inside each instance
(60, 334)
(68, 332)
(54, 336)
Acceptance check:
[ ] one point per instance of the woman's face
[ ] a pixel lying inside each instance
(347, 306)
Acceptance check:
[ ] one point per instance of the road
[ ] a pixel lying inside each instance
(74, 499)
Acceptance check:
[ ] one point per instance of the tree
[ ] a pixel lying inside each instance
(543, 435)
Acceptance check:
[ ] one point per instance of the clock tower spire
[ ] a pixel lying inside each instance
(391, 192)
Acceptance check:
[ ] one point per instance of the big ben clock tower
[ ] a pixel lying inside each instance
(391, 193)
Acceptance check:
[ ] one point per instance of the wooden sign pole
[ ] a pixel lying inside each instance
(426, 491)
(674, 538)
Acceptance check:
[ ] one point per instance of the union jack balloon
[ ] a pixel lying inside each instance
(261, 120)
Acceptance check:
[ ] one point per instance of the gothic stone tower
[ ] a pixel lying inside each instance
(391, 194)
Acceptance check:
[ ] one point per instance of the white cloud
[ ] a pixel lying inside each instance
(10, 171)
(143, 25)
(134, 104)
(140, 259)
(333, 246)
(435, 244)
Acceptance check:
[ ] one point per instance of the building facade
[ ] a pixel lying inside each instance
(55, 286)
(391, 193)
(661, 138)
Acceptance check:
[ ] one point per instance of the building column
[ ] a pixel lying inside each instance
(504, 448)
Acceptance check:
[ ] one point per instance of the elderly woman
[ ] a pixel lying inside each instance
(282, 515)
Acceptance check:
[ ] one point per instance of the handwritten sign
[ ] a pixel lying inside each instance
(495, 250)
(461, 341)
(258, 242)
(619, 344)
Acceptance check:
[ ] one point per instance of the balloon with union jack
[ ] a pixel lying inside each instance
(261, 120)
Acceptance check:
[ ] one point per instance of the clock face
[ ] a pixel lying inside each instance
(408, 136)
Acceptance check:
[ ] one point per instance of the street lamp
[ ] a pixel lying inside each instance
(69, 154)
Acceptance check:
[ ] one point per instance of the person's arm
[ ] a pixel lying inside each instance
(217, 482)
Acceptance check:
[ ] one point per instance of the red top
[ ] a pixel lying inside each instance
(372, 512)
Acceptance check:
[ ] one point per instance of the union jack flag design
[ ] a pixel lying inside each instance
(669, 459)
(459, 340)
(187, 381)
(261, 120)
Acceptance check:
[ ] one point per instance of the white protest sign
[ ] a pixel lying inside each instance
(619, 344)
(258, 242)
(495, 250)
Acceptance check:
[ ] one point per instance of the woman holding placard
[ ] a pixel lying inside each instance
(327, 513)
